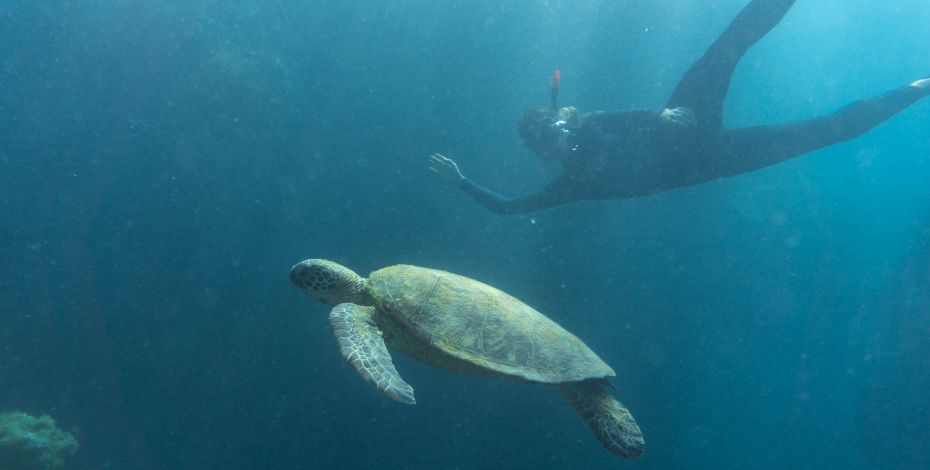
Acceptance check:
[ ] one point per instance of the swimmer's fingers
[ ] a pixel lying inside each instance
(681, 117)
(436, 160)
(440, 160)
(687, 116)
(445, 167)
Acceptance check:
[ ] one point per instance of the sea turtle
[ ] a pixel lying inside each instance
(462, 325)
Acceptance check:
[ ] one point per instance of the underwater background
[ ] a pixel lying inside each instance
(164, 163)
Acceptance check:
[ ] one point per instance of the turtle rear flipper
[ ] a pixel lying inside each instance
(362, 346)
(612, 423)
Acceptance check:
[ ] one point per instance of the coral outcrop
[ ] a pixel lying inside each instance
(30, 443)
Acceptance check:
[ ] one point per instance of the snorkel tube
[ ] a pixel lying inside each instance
(554, 87)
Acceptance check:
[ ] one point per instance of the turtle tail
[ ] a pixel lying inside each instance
(612, 423)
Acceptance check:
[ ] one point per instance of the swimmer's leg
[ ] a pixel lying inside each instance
(705, 85)
(751, 148)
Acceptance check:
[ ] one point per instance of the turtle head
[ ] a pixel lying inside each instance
(330, 283)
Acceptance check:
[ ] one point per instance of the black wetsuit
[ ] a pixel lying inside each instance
(635, 153)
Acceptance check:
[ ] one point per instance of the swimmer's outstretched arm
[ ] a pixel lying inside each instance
(449, 171)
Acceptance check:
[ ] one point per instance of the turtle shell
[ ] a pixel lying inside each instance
(484, 326)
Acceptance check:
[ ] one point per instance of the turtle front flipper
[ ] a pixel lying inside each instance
(362, 346)
(612, 423)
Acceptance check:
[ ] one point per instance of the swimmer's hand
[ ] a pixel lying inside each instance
(446, 168)
(679, 117)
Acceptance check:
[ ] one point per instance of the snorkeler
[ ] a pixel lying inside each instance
(640, 152)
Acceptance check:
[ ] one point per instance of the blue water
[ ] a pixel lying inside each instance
(164, 163)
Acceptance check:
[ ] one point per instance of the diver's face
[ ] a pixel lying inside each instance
(544, 138)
